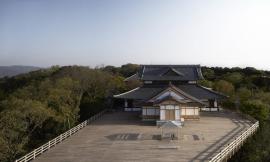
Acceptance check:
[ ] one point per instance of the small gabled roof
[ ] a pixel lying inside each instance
(174, 93)
(170, 96)
(172, 71)
(181, 72)
(171, 124)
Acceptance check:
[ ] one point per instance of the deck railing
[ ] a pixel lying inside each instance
(32, 155)
(235, 145)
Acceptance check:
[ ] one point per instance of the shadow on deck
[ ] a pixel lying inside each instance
(213, 149)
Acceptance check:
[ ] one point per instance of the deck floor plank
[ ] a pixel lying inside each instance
(122, 137)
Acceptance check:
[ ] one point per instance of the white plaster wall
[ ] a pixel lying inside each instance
(177, 114)
(162, 114)
(183, 112)
(151, 111)
(197, 111)
(144, 111)
(190, 111)
(162, 107)
(169, 107)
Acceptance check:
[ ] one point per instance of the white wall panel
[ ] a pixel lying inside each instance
(144, 111)
(183, 112)
(177, 114)
(151, 111)
(197, 111)
(190, 111)
(162, 114)
(169, 107)
(128, 109)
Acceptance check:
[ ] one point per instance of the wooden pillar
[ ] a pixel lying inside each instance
(215, 103)
(126, 103)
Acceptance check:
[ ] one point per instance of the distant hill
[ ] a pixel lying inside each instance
(15, 70)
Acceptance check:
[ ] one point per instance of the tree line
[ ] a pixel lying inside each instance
(37, 106)
(248, 91)
(40, 105)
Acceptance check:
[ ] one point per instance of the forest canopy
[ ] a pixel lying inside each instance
(37, 106)
(40, 105)
(248, 91)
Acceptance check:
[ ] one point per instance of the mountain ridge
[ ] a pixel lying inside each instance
(13, 70)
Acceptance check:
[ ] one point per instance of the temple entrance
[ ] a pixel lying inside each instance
(169, 114)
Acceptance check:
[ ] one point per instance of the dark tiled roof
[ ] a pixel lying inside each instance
(149, 91)
(141, 93)
(170, 72)
(132, 77)
(200, 92)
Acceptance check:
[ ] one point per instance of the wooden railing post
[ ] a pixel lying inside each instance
(235, 145)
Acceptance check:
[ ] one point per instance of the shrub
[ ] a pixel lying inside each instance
(256, 108)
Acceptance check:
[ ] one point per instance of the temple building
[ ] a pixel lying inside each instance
(170, 93)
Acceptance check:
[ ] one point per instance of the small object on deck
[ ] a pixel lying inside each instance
(195, 137)
(169, 129)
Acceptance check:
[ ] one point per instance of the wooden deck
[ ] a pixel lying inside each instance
(122, 137)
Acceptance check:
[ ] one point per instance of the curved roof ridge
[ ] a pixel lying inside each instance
(126, 92)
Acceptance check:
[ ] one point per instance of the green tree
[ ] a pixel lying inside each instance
(263, 96)
(208, 74)
(243, 93)
(235, 78)
(18, 122)
(12, 135)
(206, 83)
(129, 69)
(257, 109)
(224, 87)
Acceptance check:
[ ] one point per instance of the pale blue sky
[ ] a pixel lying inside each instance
(115, 32)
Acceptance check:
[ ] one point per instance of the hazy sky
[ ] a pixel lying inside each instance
(115, 32)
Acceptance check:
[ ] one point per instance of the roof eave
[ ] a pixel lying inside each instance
(132, 77)
(121, 94)
(218, 93)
